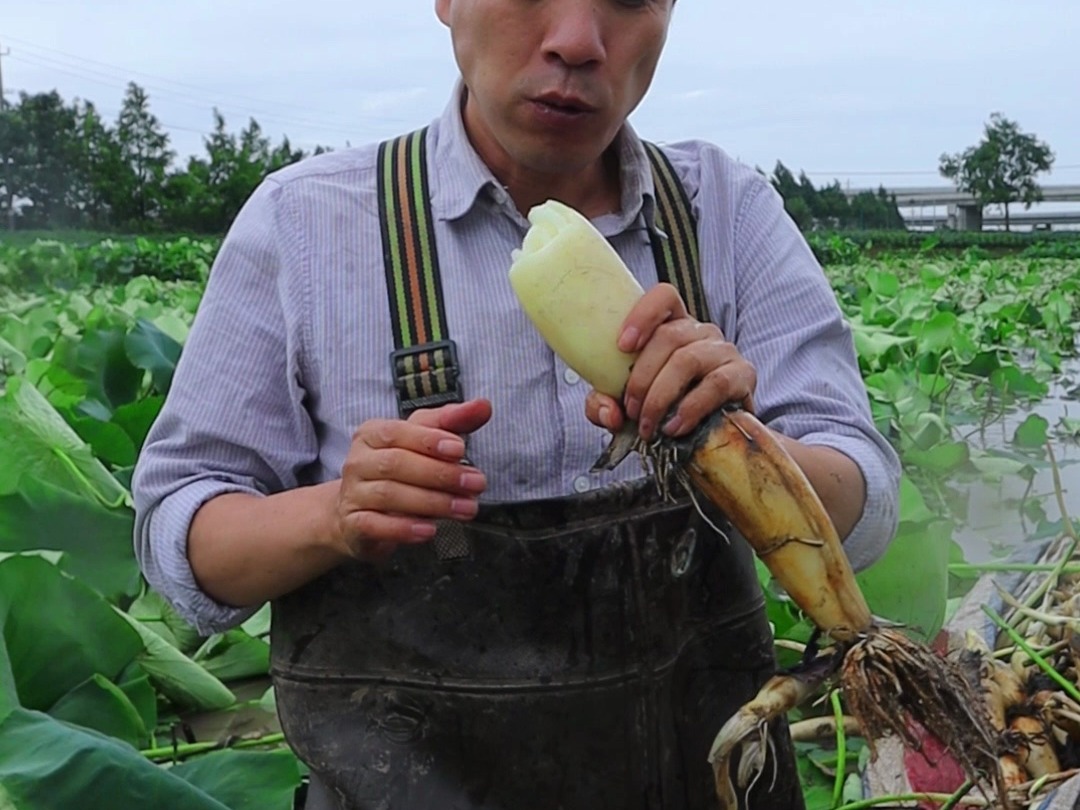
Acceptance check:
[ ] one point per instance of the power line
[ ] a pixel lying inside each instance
(115, 112)
(904, 172)
(340, 126)
(177, 97)
(167, 125)
(126, 72)
(863, 172)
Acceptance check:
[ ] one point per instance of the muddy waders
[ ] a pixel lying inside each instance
(581, 655)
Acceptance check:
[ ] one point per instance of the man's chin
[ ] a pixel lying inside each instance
(561, 161)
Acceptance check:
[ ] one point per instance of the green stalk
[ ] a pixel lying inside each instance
(992, 568)
(878, 801)
(174, 752)
(841, 748)
(1055, 574)
(893, 800)
(1062, 681)
(961, 792)
(76, 473)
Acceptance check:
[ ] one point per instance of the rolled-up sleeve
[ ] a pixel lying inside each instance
(234, 419)
(809, 386)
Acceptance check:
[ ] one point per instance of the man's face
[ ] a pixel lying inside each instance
(551, 81)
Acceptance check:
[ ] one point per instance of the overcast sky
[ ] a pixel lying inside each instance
(863, 91)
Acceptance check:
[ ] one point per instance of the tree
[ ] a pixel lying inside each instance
(833, 209)
(796, 205)
(145, 157)
(207, 196)
(63, 166)
(1002, 168)
(875, 211)
(97, 161)
(37, 147)
(830, 208)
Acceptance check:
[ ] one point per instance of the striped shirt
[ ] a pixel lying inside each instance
(289, 351)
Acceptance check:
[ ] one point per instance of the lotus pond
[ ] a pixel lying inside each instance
(108, 699)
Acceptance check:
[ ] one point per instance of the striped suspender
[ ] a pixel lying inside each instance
(677, 256)
(424, 362)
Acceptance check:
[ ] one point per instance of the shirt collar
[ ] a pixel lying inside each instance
(463, 176)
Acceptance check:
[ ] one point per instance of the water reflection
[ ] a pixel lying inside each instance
(1002, 516)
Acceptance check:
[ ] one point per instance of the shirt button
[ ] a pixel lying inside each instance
(581, 483)
(571, 377)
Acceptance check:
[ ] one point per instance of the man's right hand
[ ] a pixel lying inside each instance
(401, 476)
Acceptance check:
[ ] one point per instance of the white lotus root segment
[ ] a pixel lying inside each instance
(577, 292)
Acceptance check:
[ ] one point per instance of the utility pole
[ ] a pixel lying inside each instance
(3, 53)
(4, 157)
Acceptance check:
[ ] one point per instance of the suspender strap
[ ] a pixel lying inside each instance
(677, 256)
(424, 363)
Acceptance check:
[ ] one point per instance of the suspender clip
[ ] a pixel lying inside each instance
(426, 376)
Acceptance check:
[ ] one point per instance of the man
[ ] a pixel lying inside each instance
(585, 641)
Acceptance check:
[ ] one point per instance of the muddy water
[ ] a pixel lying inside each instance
(996, 523)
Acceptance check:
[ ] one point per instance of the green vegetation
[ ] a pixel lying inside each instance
(52, 264)
(62, 166)
(842, 248)
(97, 675)
(829, 208)
(89, 337)
(1002, 168)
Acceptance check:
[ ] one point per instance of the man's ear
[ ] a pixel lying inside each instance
(442, 11)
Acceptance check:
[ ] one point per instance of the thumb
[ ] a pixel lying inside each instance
(604, 411)
(457, 417)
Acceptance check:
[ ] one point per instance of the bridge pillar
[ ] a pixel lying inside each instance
(969, 218)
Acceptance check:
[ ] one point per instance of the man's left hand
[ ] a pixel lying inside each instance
(681, 361)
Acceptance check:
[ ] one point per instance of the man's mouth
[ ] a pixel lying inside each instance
(568, 105)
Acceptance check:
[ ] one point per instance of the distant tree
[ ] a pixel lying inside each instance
(833, 209)
(875, 211)
(10, 132)
(144, 158)
(210, 192)
(1002, 168)
(63, 166)
(799, 211)
(37, 152)
(97, 162)
(830, 208)
(784, 181)
(795, 203)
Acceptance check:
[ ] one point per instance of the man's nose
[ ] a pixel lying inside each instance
(574, 32)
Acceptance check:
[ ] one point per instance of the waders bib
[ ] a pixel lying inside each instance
(575, 653)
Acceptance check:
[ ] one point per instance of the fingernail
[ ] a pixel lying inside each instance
(633, 407)
(673, 425)
(628, 340)
(473, 481)
(464, 507)
(451, 448)
(605, 416)
(645, 428)
(423, 531)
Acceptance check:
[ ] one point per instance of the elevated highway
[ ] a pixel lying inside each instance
(1023, 219)
(916, 196)
(964, 213)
